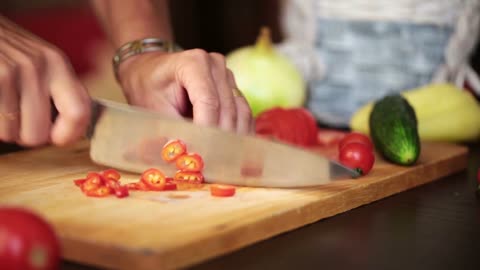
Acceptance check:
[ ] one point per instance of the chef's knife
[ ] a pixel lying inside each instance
(131, 139)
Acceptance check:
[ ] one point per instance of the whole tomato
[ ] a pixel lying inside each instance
(292, 125)
(357, 156)
(27, 242)
(355, 137)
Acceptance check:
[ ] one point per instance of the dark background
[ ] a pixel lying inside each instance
(214, 25)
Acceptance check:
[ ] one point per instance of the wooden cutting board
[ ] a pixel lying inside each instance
(164, 230)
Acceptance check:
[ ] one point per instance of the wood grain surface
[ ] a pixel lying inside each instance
(165, 230)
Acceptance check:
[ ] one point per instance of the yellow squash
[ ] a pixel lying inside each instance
(444, 113)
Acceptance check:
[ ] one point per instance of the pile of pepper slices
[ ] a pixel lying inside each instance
(189, 174)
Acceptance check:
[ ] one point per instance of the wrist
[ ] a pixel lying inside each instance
(133, 49)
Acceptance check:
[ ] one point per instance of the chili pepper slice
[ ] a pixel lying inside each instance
(111, 174)
(220, 190)
(170, 186)
(113, 184)
(173, 149)
(190, 162)
(132, 186)
(137, 186)
(79, 182)
(142, 186)
(121, 192)
(95, 178)
(90, 184)
(102, 191)
(185, 176)
(154, 179)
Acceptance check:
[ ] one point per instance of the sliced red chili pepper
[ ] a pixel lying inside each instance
(103, 191)
(193, 177)
(95, 178)
(132, 186)
(137, 186)
(111, 174)
(113, 184)
(188, 185)
(79, 182)
(173, 149)
(220, 190)
(154, 179)
(121, 192)
(142, 186)
(190, 162)
(170, 186)
(90, 184)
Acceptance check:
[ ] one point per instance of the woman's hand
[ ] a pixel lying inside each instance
(182, 83)
(32, 73)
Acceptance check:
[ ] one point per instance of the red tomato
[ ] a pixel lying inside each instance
(357, 156)
(173, 149)
(190, 162)
(27, 241)
(195, 177)
(291, 125)
(310, 126)
(220, 190)
(355, 137)
(154, 179)
(111, 174)
(269, 123)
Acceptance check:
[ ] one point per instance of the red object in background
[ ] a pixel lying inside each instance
(72, 30)
(355, 137)
(27, 241)
(357, 156)
(478, 176)
(292, 125)
(327, 137)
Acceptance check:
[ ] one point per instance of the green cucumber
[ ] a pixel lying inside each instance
(394, 131)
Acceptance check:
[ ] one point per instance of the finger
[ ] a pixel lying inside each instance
(71, 100)
(245, 123)
(196, 78)
(9, 108)
(228, 107)
(34, 103)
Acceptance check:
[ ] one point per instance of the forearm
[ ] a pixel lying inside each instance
(128, 20)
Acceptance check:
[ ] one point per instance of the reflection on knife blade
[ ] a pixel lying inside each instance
(131, 139)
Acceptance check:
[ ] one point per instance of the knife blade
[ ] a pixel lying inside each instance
(130, 138)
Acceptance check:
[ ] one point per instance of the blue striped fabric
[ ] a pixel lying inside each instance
(367, 59)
